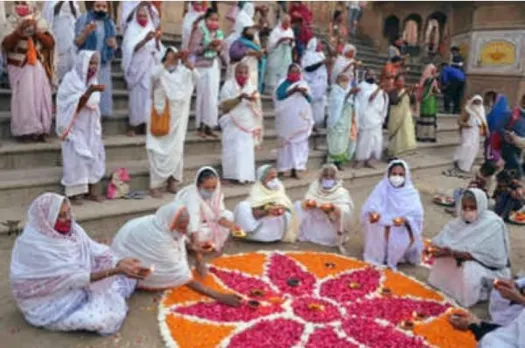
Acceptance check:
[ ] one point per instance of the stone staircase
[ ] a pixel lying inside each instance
(27, 170)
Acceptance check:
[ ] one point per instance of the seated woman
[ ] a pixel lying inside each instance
(507, 300)
(326, 211)
(267, 215)
(160, 241)
(210, 222)
(509, 195)
(392, 219)
(64, 281)
(471, 248)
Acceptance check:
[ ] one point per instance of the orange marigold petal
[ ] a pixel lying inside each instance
(441, 334)
(184, 294)
(401, 285)
(191, 334)
(323, 265)
(250, 263)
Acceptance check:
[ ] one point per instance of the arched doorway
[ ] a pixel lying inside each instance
(391, 27)
(435, 32)
(412, 29)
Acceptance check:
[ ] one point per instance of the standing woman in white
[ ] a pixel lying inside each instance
(280, 46)
(316, 75)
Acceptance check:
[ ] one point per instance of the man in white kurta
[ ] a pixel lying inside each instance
(241, 126)
(79, 129)
(173, 82)
(371, 109)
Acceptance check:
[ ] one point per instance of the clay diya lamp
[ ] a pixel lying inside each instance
(253, 304)
(407, 325)
(238, 233)
(208, 247)
(329, 265)
(257, 292)
(275, 300)
(311, 204)
(327, 207)
(354, 285)
(419, 315)
(386, 292)
(293, 282)
(398, 221)
(316, 307)
(374, 217)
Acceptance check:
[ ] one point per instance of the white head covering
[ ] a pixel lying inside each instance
(342, 62)
(277, 33)
(244, 18)
(336, 195)
(486, 238)
(50, 270)
(311, 56)
(477, 111)
(187, 25)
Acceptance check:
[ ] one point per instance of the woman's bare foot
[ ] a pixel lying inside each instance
(370, 164)
(155, 193)
(44, 138)
(172, 185)
(299, 174)
(76, 200)
(358, 165)
(201, 134)
(95, 198)
(131, 133)
(287, 174)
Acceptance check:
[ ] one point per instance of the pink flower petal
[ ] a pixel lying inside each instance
(327, 338)
(315, 310)
(282, 271)
(370, 333)
(279, 333)
(340, 289)
(396, 310)
(244, 284)
(222, 313)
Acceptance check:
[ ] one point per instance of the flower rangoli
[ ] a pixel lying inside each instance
(308, 299)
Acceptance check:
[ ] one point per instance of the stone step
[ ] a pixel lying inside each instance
(111, 215)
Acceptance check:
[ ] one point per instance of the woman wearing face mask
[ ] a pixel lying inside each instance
(341, 122)
(280, 46)
(392, 219)
(293, 123)
(173, 83)
(241, 125)
(326, 211)
(95, 31)
(64, 281)
(469, 250)
(248, 51)
(268, 214)
(28, 48)
(160, 240)
(210, 222)
(141, 49)
(346, 64)
(206, 45)
(78, 127)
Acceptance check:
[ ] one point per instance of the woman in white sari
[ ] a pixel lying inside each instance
(473, 124)
(280, 45)
(141, 50)
(510, 336)
(507, 300)
(316, 75)
(173, 82)
(326, 211)
(241, 126)
(268, 214)
(210, 222)
(64, 281)
(392, 218)
(346, 64)
(471, 251)
(160, 240)
(293, 122)
(78, 127)
(196, 11)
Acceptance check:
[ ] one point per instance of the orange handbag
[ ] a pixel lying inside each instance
(160, 124)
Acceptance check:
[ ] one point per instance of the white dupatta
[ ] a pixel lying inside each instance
(342, 62)
(318, 79)
(477, 112)
(187, 26)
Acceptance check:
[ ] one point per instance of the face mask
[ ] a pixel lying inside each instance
(213, 25)
(285, 26)
(319, 47)
(397, 180)
(205, 194)
(63, 227)
(171, 68)
(142, 22)
(328, 184)
(294, 77)
(274, 184)
(344, 85)
(22, 10)
(249, 37)
(241, 80)
(470, 216)
(91, 72)
(100, 14)
(371, 80)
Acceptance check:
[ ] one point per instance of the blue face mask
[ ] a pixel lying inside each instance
(205, 194)
(328, 183)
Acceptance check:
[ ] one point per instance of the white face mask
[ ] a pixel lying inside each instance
(328, 183)
(470, 216)
(397, 180)
(274, 184)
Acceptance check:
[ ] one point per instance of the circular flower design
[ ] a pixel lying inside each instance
(308, 299)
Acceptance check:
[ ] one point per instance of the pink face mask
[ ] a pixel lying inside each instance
(293, 77)
(285, 26)
(142, 22)
(63, 227)
(212, 25)
(22, 10)
(91, 72)
(241, 80)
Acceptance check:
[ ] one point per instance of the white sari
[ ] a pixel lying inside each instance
(244, 19)
(510, 336)
(293, 124)
(486, 239)
(241, 132)
(50, 275)
(187, 26)
(279, 57)
(342, 62)
(83, 153)
(152, 240)
(317, 80)
(319, 227)
(166, 153)
(503, 311)
(205, 214)
(391, 203)
(137, 67)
